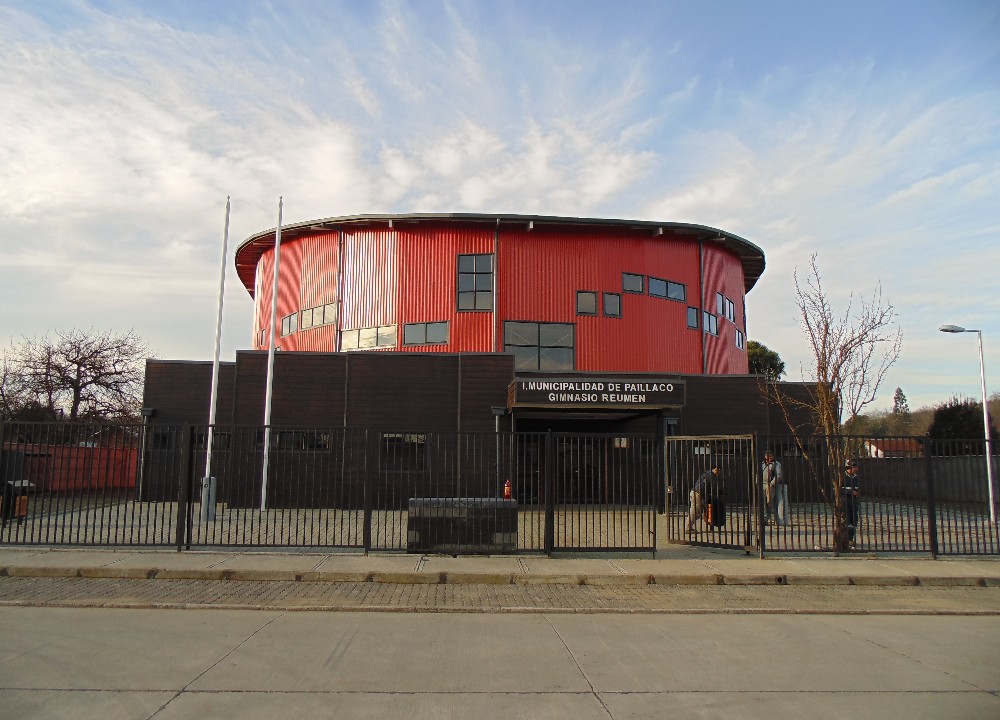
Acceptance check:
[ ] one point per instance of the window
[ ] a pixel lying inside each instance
(288, 324)
(319, 315)
(612, 305)
(540, 346)
(301, 440)
(306, 318)
(667, 289)
(725, 307)
(475, 282)
(693, 318)
(711, 323)
(404, 452)
(740, 340)
(586, 302)
(434, 333)
(633, 283)
(368, 338)
(263, 337)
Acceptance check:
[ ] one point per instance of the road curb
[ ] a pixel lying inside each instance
(492, 578)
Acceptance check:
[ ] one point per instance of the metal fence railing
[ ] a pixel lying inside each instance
(328, 487)
(413, 490)
(905, 495)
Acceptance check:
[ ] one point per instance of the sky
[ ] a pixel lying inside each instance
(865, 132)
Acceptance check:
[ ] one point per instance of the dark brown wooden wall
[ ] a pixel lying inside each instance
(430, 392)
(178, 391)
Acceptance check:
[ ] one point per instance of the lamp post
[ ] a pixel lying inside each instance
(986, 414)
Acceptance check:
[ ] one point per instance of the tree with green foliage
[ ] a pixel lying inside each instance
(960, 423)
(899, 404)
(764, 361)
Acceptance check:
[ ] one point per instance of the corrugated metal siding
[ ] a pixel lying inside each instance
(724, 273)
(262, 301)
(428, 258)
(542, 271)
(371, 278)
(394, 276)
(319, 270)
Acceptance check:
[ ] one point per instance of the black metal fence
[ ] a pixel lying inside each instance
(79, 484)
(330, 487)
(907, 495)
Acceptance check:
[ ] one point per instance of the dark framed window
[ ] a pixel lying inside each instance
(288, 324)
(404, 452)
(549, 347)
(667, 289)
(612, 305)
(368, 338)
(319, 315)
(711, 323)
(730, 310)
(586, 302)
(475, 282)
(741, 340)
(263, 337)
(633, 283)
(720, 304)
(693, 318)
(301, 440)
(434, 333)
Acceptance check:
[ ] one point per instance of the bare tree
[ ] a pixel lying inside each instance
(851, 353)
(80, 375)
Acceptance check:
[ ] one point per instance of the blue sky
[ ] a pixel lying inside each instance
(868, 133)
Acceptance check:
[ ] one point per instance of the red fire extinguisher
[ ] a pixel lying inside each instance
(506, 490)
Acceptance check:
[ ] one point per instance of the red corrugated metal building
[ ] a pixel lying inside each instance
(561, 294)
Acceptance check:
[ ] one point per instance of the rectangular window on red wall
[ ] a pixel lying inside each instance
(586, 302)
(475, 282)
(632, 283)
(540, 346)
(612, 305)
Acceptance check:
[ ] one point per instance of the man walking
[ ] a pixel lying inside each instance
(775, 491)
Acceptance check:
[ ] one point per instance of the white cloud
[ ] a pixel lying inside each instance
(122, 136)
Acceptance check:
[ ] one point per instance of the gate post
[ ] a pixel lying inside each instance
(931, 503)
(182, 534)
(550, 514)
(371, 466)
(758, 494)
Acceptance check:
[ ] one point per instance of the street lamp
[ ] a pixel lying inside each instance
(986, 414)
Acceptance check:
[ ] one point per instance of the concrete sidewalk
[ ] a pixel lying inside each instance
(683, 565)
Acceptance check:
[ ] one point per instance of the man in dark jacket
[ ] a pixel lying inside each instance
(704, 488)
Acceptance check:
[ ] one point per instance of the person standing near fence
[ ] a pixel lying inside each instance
(775, 491)
(851, 487)
(704, 488)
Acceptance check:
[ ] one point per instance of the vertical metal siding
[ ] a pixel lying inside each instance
(404, 274)
(724, 273)
(428, 256)
(371, 278)
(543, 269)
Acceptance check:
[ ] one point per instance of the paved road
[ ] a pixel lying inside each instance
(493, 598)
(168, 664)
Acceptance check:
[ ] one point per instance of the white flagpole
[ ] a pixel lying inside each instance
(270, 362)
(218, 345)
(208, 489)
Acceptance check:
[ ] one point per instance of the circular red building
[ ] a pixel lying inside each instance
(560, 294)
